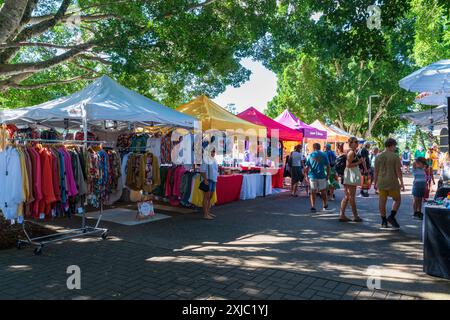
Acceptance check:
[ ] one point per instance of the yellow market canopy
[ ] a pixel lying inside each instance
(214, 117)
(332, 136)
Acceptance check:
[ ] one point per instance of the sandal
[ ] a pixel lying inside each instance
(357, 219)
(344, 219)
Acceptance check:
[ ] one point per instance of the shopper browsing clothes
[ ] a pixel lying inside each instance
(318, 171)
(419, 186)
(296, 163)
(209, 171)
(389, 181)
(352, 179)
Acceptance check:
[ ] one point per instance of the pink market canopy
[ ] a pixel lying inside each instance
(256, 117)
(289, 120)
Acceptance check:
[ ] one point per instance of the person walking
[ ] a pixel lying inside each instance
(419, 152)
(297, 162)
(318, 172)
(364, 168)
(406, 160)
(419, 186)
(373, 157)
(352, 179)
(209, 171)
(389, 181)
(332, 181)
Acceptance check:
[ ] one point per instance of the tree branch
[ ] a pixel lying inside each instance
(35, 30)
(18, 68)
(36, 44)
(89, 17)
(192, 7)
(50, 83)
(95, 58)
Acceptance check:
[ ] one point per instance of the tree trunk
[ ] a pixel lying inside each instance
(10, 17)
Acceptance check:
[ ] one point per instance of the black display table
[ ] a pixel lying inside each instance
(436, 242)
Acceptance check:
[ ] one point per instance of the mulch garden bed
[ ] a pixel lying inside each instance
(9, 234)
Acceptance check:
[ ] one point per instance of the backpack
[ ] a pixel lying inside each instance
(405, 156)
(341, 163)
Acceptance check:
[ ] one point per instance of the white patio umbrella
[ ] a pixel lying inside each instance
(432, 78)
(433, 99)
(436, 117)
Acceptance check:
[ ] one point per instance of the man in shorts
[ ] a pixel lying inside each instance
(389, 182)
(318, 171)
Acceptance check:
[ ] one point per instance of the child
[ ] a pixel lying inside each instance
(419, 185)
(333, 183)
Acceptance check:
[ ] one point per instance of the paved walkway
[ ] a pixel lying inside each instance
(270, 248)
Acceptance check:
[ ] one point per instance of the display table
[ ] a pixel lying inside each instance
(228, 188)
(436, 242)
(277, 174)
(252, 186)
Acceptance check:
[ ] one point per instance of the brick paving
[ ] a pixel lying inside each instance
(263, 249)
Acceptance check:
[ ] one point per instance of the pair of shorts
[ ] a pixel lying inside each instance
(394, 194)
(318, 184)
(212, 185)
(406, 163)
(419, 190)
(296, 174)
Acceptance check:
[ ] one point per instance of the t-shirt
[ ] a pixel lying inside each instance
(364, 153)
(297, 158)
(386, 164)
(419, 176)
(317, 163)
(331, 157)
(211, 170)
(418, 154)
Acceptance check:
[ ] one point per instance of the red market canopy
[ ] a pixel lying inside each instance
(285, 133)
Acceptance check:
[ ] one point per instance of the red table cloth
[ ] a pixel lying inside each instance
(277, 179)
(228, 188)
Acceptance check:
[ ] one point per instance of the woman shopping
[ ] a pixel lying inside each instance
(352, 179)
(209, 172)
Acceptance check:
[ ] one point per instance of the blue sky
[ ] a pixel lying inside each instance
(256, 92)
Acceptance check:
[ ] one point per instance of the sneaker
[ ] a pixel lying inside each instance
(327, 209)
(384, 223)
(418, 215)
(393, 222)
(313, 210)
(365, 194)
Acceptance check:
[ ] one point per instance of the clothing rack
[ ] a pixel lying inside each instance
(84, 230)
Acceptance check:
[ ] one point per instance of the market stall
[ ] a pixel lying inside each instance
(218, 120)
(61, 175)
(333, 137)
(283, 132)
(287, 119)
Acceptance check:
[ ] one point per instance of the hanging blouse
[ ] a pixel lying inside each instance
(11, 193)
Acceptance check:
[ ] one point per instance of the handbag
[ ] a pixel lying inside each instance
(203, 186)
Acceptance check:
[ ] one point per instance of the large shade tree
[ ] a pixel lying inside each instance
(329, 62)
(168, 50)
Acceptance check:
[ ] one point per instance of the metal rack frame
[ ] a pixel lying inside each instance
(84, 230)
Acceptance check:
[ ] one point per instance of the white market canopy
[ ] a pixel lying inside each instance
(103, 100)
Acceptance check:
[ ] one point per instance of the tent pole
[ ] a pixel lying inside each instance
(85, 147)
(448, 123)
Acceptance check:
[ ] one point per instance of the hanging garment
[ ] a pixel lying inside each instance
(166, 148)
(197, 194)
(149, 172)
(47, 184)
(37, 181)
(124, 168)
(11, 193)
